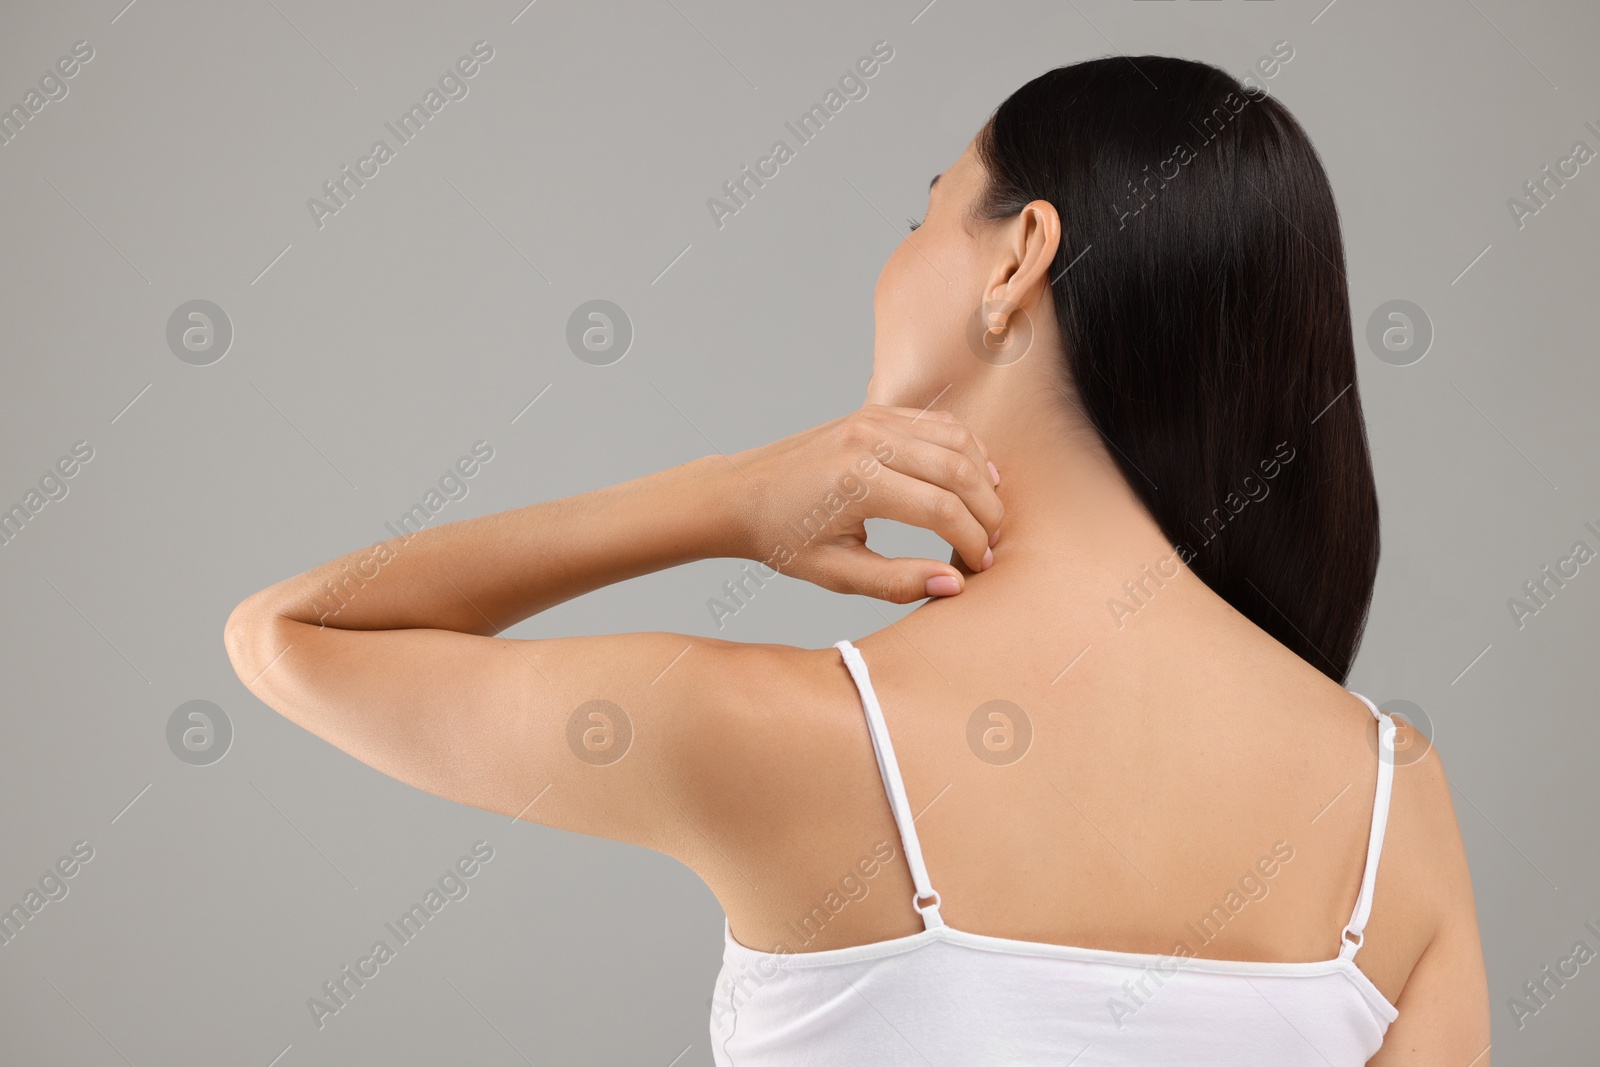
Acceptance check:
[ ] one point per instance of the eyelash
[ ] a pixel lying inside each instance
(913, 223)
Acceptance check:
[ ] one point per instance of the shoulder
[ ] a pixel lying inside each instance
(759, 727)
(753, 694)
(1423, 891)
(708, 704)
(1421, 883)
(1423, 830)
(770, 763)
(1443, 993)
(1422, 872)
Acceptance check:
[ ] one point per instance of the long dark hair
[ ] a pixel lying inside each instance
(1202, 300)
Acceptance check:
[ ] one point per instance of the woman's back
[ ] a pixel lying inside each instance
(1179, 785)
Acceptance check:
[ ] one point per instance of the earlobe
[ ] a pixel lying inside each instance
(1000, 298)
(996, 314)
(1001, 330)
(999, 306)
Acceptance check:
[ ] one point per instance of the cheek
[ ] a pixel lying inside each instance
(920, 310)
(912, 294)
(891, 290)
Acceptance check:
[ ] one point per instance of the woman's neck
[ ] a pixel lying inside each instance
(1066, 499)
(1075, 535)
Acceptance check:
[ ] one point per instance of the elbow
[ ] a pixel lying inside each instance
(236, 639)
(246, 636)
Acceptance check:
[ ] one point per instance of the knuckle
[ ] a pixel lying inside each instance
(944, 507)
(906, 588)
(960, 470)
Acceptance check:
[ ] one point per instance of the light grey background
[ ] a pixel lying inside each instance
(428, 313)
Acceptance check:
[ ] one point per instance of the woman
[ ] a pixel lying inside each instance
(1103, 799)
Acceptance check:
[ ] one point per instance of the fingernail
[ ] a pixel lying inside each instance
(943, 585)
(994, 472)
(988, 558)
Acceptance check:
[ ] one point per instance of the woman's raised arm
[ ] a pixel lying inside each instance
(389, 654)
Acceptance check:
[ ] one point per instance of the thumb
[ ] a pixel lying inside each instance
(899, 581)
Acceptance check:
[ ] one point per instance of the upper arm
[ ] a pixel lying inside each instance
(605, 735)
(1444, 1006)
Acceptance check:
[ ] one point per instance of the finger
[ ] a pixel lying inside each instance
(898, 581)
(936, 424)
(950, 432)
(915, 502)
(957, 472)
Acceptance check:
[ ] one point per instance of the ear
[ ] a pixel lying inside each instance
(1021, 275)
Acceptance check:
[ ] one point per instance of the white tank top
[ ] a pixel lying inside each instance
(946, 996)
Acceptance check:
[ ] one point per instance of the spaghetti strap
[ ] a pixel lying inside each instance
(1350, 938)
(889, 769)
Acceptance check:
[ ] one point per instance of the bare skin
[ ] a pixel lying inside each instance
(1173, 748)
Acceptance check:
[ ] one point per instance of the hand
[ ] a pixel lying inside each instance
(809, 496)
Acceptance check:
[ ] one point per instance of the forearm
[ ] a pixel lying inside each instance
(485, 574)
